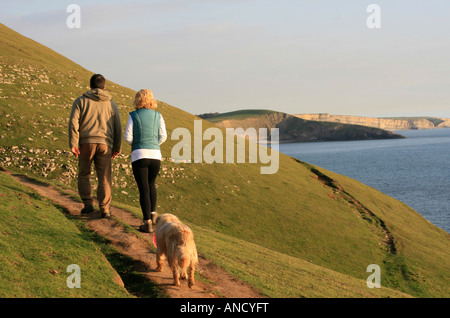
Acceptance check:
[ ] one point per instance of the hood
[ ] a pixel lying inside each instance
(98, 94)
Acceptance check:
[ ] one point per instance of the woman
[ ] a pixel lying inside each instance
(145, 132)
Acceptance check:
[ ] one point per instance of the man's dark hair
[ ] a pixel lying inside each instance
(98, 81)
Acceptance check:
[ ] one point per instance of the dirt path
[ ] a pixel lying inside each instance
(220, 283)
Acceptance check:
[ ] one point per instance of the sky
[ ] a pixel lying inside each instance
(293, 56)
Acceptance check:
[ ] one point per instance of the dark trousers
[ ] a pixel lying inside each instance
(145, 172)
(101, 156)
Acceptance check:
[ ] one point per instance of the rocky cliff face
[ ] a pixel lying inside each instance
(382, 123)
(444, 124)
(294, 129)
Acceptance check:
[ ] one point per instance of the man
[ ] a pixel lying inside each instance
(95, 135)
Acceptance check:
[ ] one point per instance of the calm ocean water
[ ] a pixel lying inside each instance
(415, 170)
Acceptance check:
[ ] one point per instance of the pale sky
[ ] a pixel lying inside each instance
(294, 56)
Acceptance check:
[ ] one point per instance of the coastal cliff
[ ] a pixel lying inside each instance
(400, 123)
(294, 129)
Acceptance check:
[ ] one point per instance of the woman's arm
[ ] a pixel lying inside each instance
(162, 131)
(129, 131)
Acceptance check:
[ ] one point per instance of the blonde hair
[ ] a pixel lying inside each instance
(144, 99)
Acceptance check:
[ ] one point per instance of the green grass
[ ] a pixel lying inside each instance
(293, 218)
(38, 243)
(278, 275)
(273, 273)
(420, 243)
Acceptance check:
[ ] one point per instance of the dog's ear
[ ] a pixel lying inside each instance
(157, 220)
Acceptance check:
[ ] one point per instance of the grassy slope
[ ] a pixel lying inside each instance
(289, 212)
(38, 243)
(420, 243)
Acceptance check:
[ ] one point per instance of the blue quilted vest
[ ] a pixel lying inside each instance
(145, 129)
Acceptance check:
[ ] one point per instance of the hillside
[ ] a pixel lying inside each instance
(302, 232)
(294, 129)
(394, 123)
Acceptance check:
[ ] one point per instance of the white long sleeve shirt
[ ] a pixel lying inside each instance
(145, 153)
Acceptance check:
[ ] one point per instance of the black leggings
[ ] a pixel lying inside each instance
(145, 172)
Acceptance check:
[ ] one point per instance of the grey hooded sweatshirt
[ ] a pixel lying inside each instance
(95, 119)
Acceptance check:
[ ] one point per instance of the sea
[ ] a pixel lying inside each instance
(414, 170)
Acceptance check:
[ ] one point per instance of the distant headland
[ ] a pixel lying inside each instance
(388, 123)
(293, 128)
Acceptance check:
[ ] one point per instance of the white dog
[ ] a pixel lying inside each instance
(175, 240)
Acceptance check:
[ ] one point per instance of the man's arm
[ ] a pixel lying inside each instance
(74, 125)
(117, 142)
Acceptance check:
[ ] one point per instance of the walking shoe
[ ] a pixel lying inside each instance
(87, 209)
(146, 227)
(154, 217)
(106, 214)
